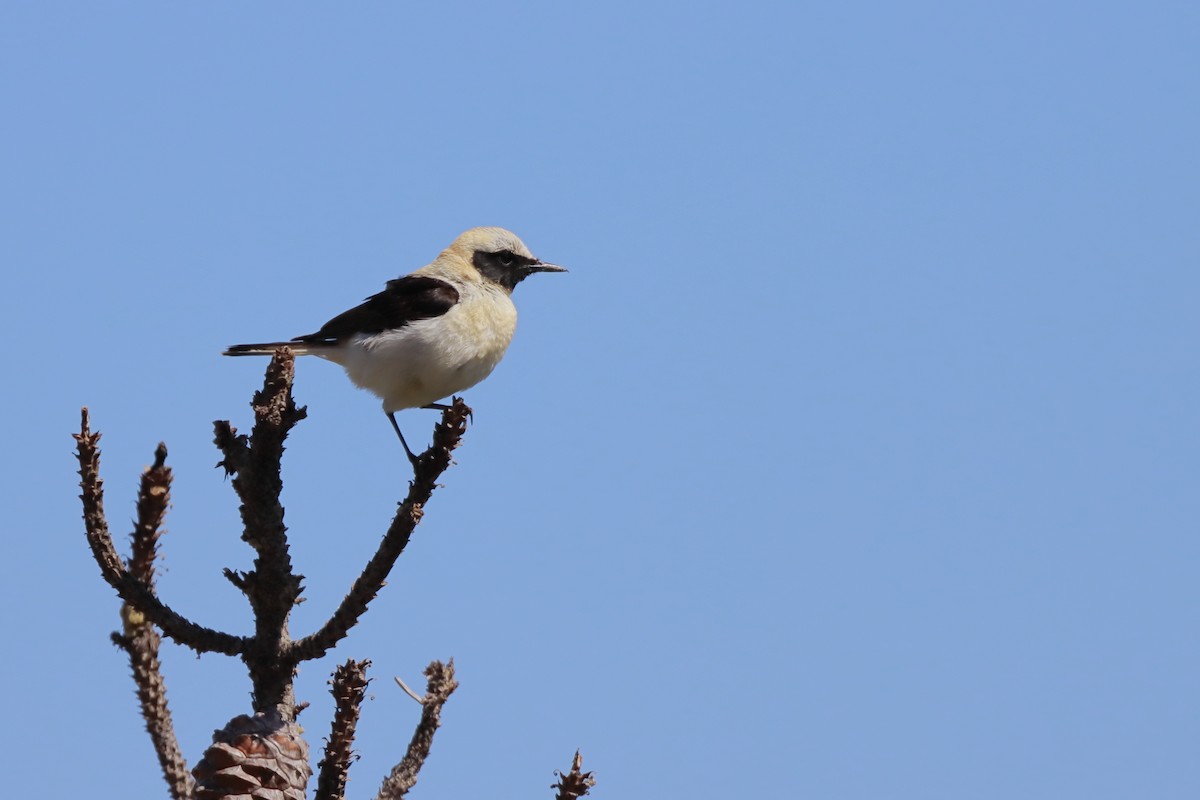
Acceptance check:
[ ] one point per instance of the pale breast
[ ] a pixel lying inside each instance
(431, 359)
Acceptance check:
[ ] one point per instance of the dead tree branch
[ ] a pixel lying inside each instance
(132, 589)
(141, 641)
(272, 588)
(575, 783)
(440, 686)
(349, 686)
(264, 754)
(430, 466)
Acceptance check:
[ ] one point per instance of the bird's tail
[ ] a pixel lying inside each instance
(266, 349)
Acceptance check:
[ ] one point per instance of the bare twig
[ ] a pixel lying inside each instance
(409, 691)
(575, 783)
(132, 589)
(431, 464)
(438, 690)
(141, 641)
(349, 685)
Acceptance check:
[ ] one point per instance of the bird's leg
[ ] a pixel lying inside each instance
(407, 452)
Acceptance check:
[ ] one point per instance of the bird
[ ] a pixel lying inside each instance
(431, 334)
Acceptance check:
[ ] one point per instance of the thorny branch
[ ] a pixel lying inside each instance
(132, 589)
(141, 641)
(575, 783)
(349, 686)
(276, 754)
(271, 587)
(430, 466)
(440, 686)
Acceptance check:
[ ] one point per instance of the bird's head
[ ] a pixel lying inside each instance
(497, 255)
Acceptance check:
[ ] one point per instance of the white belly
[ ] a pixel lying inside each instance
(431, 359)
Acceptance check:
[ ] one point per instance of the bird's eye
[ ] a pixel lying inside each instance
(506, 258)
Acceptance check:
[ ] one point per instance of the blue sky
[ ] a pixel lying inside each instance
(856, 455)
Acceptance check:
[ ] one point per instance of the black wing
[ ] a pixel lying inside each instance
(405, 300)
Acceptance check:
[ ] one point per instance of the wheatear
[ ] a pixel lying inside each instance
(431, 334)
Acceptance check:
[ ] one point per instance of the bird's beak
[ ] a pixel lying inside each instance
(539, 266)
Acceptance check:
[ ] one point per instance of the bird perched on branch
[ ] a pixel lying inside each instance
(431, 334)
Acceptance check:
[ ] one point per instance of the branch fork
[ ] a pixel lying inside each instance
(265, 749)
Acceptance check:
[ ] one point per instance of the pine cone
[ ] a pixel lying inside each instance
(254, 758)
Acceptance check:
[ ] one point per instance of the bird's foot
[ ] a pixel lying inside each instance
(413, 459)
(444, 407)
